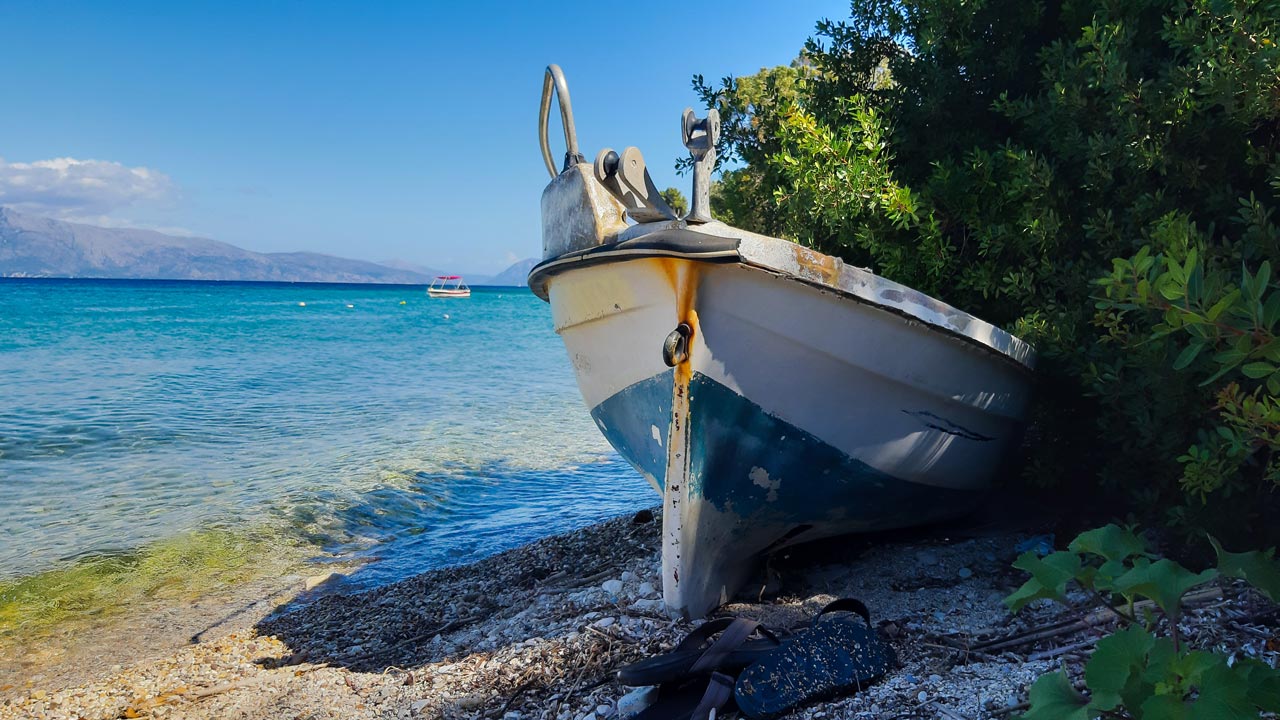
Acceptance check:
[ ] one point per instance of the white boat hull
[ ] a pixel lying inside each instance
(802, 410)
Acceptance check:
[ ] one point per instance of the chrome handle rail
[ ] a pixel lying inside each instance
(555, 79)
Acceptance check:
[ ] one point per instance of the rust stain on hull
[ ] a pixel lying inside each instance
(683, 276)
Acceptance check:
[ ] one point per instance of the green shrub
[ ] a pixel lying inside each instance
(1135, 672)
(1099, 178)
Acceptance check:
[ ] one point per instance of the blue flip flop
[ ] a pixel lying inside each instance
(837, 654)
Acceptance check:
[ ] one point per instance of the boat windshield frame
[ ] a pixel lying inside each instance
(442, 282)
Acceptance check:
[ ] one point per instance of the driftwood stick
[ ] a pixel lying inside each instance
(1063, 650)
(947, 712)
(1093, 619)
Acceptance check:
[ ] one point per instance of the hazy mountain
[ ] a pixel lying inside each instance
(470, 278)
(41, 247)
(517, 274)
(398, 264)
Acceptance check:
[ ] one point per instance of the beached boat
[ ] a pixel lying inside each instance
(448, 286)
(771, 394)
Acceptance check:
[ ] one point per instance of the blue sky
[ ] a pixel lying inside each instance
(367, 130)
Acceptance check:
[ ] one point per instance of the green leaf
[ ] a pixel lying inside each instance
(1257, 370)
(1053, 698)
(1229, 360)
(1112, 542)
(1163, 581)
(1115, 671)
(1192, 666)
(1165, 707)
(1264, 684)
(1224, 693)
(1049, 577)
(1187, 355)
(1222, 304)
(1271, 310)
(1255, 567)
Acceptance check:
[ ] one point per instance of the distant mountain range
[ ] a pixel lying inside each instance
(33, 246)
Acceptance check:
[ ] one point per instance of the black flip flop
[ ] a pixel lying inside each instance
(697, 655)
(692, 699)
(835, 655)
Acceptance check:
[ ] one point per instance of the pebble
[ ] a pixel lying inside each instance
(613, 587)
(461, 674)
(965, 573)
(636, 700)
(647, 605)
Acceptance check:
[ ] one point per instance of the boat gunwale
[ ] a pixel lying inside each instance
(645, 245)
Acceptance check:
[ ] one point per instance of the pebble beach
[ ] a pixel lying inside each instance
(538, 632)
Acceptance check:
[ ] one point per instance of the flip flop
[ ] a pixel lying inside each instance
(697, 655)
(835, 655)
(692, 699)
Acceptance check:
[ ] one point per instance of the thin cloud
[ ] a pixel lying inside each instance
(73, 189)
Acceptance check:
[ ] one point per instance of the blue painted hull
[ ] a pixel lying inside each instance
(811, 483)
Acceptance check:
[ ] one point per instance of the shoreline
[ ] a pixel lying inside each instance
(536, 632)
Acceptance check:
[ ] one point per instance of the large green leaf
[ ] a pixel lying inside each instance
(1115, 671)
(1165, 707)
(1264, 684)
(1191, 667)
(1256, 567)
(1049, 577)
(1053, 698)
(1224, 693)
(1163, 581)
(1112, 542)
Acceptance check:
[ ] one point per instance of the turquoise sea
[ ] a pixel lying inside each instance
(370, 419)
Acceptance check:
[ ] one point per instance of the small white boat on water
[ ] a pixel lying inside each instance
(448, 286)
(771, 394)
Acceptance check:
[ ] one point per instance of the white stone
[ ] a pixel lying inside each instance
(636, 700)
(604, 622)
(613, 587)
(647, 590)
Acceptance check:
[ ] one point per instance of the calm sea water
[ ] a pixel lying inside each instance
(423, 432)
